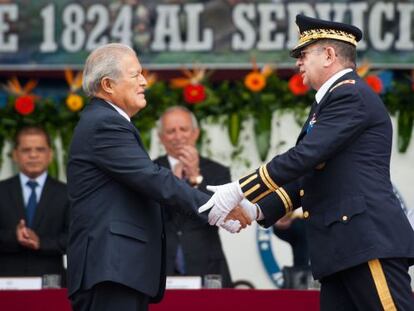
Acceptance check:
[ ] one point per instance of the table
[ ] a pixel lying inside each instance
(200, 300)
(238, 299)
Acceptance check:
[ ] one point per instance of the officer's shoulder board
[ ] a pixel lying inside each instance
(349, 81)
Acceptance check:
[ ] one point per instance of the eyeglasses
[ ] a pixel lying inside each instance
(302, 54)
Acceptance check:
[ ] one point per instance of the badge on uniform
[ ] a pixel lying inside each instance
(311, 123)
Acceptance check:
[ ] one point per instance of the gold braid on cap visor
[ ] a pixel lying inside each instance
(315, 34)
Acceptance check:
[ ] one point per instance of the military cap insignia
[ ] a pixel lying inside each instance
(313, 29)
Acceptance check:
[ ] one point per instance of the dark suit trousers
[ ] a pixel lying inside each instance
(109, 296)
(380, 284)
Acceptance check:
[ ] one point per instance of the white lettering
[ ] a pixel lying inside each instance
(358, 10)
(380, 11)
(48, 16)
(405, 27)
(268, 26)
(245, 38)
(293, 10)
(121, 29)
(167, 28)
(8, 43)
(194, 42)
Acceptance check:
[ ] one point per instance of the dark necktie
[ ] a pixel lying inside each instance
(32, 203)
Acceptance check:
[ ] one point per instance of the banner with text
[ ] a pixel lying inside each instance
(46, 34)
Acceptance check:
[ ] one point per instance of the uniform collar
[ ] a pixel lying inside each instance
(325, 87)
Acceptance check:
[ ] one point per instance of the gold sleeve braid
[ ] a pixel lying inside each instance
(286, 200)
(257, 185)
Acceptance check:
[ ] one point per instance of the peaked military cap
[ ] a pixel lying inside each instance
(312, 29)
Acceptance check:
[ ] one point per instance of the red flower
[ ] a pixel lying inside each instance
(24, 105)
(296, 85)
(194, 93)
(375, 83)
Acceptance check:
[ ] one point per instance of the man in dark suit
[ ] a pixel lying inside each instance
(33, 223)
(291, 229)
(361, 243)
(116, 239)
(193, 246)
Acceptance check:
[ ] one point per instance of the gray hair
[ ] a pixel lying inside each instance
(103, 62)
(194, 121)
(345, 52)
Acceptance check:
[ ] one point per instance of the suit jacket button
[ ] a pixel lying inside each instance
(344, 218)
(305, 214)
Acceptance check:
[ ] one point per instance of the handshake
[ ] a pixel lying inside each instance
(229, 209)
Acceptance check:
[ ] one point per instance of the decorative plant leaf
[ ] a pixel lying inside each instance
(234, 126)
(405, 127)
(262, 130)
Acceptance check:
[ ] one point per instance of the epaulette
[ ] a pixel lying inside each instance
(342, 83)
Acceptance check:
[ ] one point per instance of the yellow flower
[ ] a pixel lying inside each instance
(255, 81)
(74, 102)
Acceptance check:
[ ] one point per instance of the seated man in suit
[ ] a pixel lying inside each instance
(291, 229)
(193, 246)
(33, 210)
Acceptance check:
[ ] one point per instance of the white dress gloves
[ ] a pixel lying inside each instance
(225, 198)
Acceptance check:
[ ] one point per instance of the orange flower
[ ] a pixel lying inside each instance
(296, 85)
(375, 83)
(74, 102)
(255, 81)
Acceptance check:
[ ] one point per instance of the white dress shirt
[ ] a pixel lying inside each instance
(27, 191)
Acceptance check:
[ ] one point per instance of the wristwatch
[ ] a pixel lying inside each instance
(196, 181)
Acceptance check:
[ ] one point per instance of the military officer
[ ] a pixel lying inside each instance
(361, 243)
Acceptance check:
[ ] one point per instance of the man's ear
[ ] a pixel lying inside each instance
(107, 85)
(330, 54)
(51, 155)
(195, 135)
(14, 155)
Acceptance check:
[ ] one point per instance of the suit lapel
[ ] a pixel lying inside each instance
(316, 107)
(17, 198)
(163, 161)
(305, 125)
(137, 135)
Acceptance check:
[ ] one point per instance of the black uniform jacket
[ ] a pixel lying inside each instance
(339, 172)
